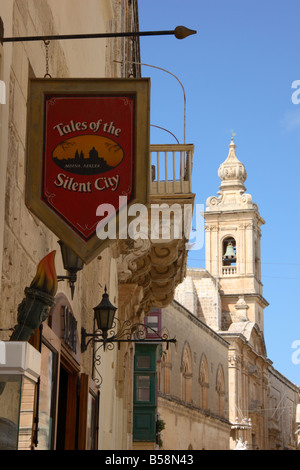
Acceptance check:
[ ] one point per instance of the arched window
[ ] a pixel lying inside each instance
(229, 256)
(165, 370)
(204, 383)
(220, 387)
(186, 373)
(229, 251)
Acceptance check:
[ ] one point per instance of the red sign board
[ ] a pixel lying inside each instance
(88, 144)
(88, 156)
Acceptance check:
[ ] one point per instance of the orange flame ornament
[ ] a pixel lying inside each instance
(46, 278)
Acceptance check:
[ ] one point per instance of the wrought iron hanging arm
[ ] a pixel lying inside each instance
(127, 332)
(124, 335)
(180, 32)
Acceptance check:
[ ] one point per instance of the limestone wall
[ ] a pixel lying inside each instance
(283, 400)
(190, 394)
(24, 240)
(198, 293)
(188, 428)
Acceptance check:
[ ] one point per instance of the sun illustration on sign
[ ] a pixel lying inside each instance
(88, 154)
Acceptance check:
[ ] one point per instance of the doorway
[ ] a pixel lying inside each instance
(62, 409)
(67, 409)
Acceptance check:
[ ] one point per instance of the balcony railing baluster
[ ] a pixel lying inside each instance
(171, 174)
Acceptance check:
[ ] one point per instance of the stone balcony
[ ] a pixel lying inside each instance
(171, 169)
(158, 265)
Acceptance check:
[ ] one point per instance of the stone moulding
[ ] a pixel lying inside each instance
(157, 268)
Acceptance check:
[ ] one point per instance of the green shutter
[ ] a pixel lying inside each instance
(144, 393)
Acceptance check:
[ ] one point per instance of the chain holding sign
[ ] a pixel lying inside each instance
(88, 144)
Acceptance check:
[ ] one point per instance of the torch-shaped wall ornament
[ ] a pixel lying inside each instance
(39, 298)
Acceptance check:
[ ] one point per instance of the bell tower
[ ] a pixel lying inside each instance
(232, 243)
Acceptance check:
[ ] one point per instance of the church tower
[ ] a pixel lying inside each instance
(232, 243)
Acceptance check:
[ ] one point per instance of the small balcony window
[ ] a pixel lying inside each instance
(143, 388)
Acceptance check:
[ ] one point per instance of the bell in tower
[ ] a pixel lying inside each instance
(229, 256)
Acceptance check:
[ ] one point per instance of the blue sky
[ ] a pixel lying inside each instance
(237, 73)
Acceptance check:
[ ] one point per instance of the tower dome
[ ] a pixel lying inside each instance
(232, 194)
(232, 172)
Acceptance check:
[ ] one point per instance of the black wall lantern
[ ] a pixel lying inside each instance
(128, 332)
(104, 333)
(72, 263)
(105, 314)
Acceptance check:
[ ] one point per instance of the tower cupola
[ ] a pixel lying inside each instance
(233, 243)
(232, 172)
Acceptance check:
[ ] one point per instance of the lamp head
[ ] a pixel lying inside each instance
(105, 313)
(72, 263)
(71, 260)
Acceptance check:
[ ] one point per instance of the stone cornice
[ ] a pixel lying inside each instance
(283, 379)
(229, 336)
(230, 212)
(248, 295)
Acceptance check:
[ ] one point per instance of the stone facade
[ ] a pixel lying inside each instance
(282, 396)
(24, 240)
(193, 384)
(137, 273)
(227, 297)
(223, 305)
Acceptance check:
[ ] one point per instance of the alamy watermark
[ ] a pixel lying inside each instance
(296, 353)
(2, 353)
(296, 93)
(161, 222)
(2, 92)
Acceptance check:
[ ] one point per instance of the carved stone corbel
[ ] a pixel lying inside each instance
(127, 263)
(157, 266)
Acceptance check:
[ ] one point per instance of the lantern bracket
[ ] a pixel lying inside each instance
(128, 333)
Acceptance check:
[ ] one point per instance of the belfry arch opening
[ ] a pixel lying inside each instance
(229, 254)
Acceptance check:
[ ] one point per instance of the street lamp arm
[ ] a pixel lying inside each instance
(180, 32)
(124, 335)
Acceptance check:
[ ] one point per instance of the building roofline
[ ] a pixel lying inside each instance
(283, 379)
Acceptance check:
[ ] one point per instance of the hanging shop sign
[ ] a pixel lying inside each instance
(87, 147)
